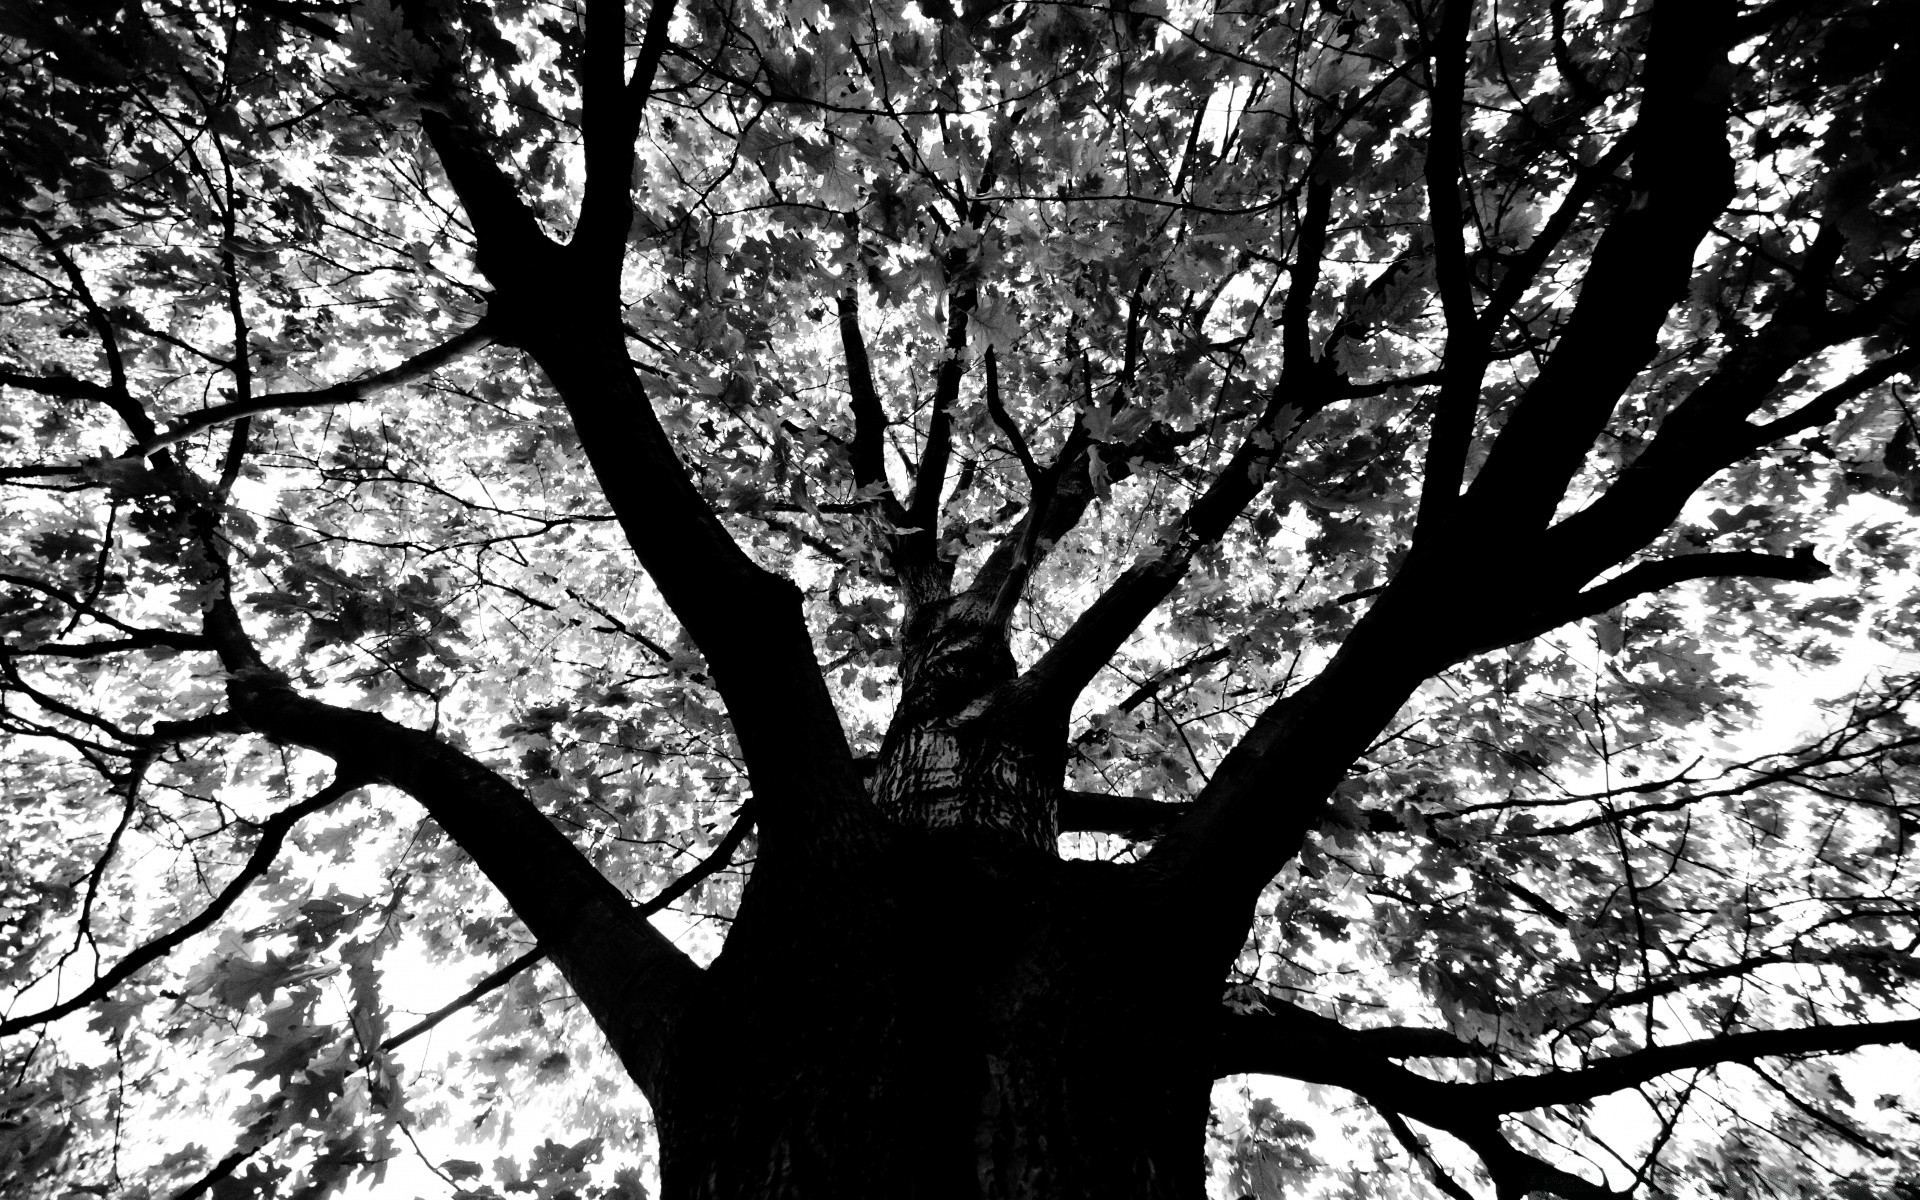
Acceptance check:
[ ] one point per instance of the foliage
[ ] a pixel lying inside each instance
(1221, 352)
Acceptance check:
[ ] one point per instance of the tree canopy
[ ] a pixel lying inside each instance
(568, 564)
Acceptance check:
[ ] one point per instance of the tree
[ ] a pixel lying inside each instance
(1175, 541)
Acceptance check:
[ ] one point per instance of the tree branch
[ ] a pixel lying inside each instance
(1420, 1153)
(1305, 387)
(493, 981)
(1825, 408)
(869, 416)
(1682, 178)
(116, 396)
(60, 387)
(1282, 1043)
(715, 861)
(1268, 792)
(510, 242)
(612, 109)
(256, 1138)
(1703, 435)
(917, 550)
(1470, 339)
(1655, 576)
(630, 977)
(152, 639)
(997, 409)
(1638, 1067)
(273, 833)
(745, 620)
(417, 367)
(1446, 58)
(646, 64)
(1134, 817)
(161, 637)
(1451, 428)
(612, 105)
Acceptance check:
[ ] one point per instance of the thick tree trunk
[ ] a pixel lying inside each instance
(943, 1021)
(935, 1005)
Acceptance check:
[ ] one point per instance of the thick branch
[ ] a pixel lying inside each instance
(632, 979)
(1058, 496)
(646, 64)
(152, 639)
(1297, 1044)
(1271, 788)
(1447, 63)
(511, 244)
(611, 109)
(869, 416)
(1652, 577)
(1465, 352)
(1825, 408)
(60, 387)
(1469, 343)
(1521, 269)
(1135, 817)
(1273, 1044)
(1705, 434)
(745, 620)
(917, 547)
(1682, 178)
(1291, 1041)
(1630, 1070)
(607, 136)
(1317, 1034)
(716, 861)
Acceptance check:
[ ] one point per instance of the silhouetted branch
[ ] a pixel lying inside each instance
(273, 833)
(1682, 178)
(417, 367)
(1134, 817)
(715, 861)
(1451, 427)
(869, 416)
(1305, 387)
(1664, 573)
(1279, 1042)
(997, 409)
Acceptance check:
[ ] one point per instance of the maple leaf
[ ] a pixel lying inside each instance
(288, 1044)
(235, 979)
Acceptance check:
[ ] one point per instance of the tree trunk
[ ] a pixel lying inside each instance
(941, 1021)
(938, 1006)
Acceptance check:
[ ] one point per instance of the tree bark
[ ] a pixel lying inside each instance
(942, 1007)
(945, 1019)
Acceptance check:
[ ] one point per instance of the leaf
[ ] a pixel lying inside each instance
(288, 1045)
(234, 979)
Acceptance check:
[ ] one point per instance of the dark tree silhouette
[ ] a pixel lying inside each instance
(1216, 540)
